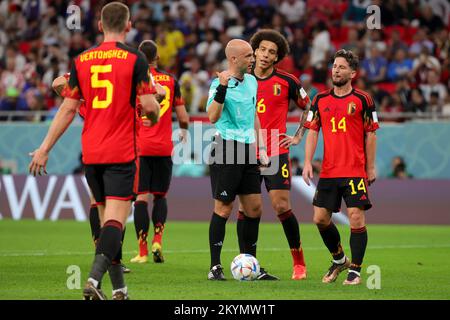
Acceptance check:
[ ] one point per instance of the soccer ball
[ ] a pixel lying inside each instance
(245, 267)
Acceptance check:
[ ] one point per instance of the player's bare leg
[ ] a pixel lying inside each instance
(222, 211)
(358, 244)
(331, 238)
(142, 225)
(109, 244)
(251, 205)
(281, 204)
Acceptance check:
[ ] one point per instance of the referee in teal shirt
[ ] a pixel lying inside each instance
(234, 171)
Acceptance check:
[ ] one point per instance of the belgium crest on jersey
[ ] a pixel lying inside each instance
(351, 108)
(276, 89)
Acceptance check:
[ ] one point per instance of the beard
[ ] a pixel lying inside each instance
(340, 83)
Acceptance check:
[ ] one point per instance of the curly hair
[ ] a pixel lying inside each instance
(349, 56)
(272, 36)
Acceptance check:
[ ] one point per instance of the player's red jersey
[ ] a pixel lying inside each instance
(274, 94)
(108, 78)
(157, 140)
(344, 121)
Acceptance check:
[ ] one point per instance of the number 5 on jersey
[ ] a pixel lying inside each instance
(98, 84)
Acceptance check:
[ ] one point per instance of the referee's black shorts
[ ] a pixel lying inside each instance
(235, 175)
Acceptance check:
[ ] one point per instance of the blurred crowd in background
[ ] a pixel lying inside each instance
(404, 64)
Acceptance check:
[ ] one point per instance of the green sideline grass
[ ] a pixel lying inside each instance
(34, 257)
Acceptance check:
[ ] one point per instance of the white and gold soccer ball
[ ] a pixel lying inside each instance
(245, 267)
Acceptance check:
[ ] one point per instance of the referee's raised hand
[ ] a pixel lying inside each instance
(224, 76)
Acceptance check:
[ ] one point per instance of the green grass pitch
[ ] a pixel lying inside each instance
(34, 257)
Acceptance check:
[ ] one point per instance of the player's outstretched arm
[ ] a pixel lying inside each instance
(63, 119)
(150, 107)
(310, 149)
(371, 147)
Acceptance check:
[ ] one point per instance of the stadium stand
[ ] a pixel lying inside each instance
(36, 45)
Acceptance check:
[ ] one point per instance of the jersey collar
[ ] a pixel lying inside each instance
(342, 97)
(262, 79)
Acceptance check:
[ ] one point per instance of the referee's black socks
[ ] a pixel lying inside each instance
(240, 230)
(358, 244)
(216, 237)
(250, 234)
(332, 239)
(247, 231)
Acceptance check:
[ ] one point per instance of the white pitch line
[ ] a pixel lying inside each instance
(75, 253)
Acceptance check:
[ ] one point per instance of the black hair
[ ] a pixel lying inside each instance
(272, 36)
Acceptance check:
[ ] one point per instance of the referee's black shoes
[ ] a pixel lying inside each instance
(264, 275)
(216, 273)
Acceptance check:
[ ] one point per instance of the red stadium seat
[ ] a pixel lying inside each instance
(387, 86)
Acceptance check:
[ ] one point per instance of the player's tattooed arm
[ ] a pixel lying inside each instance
(300, 132)
(288, 141)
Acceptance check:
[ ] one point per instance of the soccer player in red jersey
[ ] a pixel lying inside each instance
(155, 156)
(95, 220)
(348, 120)
(276, 89)
(108, 78)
